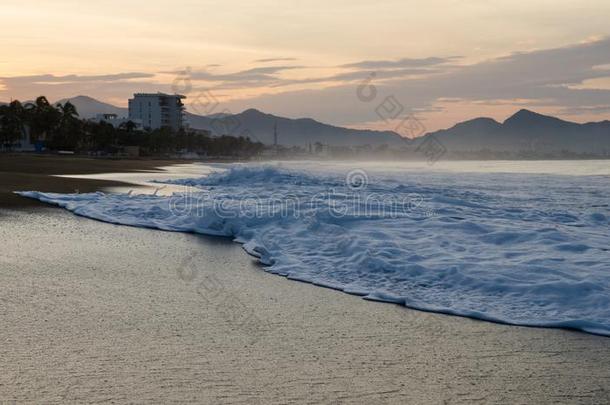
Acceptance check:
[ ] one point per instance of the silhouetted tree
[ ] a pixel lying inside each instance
(12, 123)
(42, 118)
(69, 131)
(61, 128)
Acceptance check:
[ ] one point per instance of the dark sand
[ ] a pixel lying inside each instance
(35, 172)
(94, 312)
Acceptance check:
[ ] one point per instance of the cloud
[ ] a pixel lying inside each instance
(542, 77)
(547, 78)
(105, 87)
(49, 78)
(586, 110)
(275, 60)
(540, 69)
(269, 75)
(401, 63)
(359, 75)
(250, 77)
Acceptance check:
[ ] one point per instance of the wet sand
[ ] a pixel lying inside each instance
(37, 172)
(94, 312)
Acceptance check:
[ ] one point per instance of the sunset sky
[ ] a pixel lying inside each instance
(442, 61)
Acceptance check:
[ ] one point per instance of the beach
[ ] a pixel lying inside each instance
(29, 171)
(95, 312)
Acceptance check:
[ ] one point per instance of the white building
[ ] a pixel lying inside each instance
(157, 110)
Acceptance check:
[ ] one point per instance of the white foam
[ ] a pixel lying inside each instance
(525, 249)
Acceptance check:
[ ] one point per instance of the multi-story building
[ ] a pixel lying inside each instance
(157, 110)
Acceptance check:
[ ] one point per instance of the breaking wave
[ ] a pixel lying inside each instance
(521, 249)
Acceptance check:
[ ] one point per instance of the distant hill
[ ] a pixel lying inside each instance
(259, 126)
(302, 131)
(526, 131)
(88, 107)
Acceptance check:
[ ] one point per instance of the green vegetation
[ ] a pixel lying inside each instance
(59, 127)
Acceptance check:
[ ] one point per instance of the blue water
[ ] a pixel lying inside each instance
(523, 243)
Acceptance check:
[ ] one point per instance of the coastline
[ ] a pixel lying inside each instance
(171, 317)
(108, 312)
(38, 172)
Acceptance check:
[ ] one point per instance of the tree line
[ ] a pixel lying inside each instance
(59, 127)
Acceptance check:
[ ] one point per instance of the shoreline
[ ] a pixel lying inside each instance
(173, 317)
(189, 318)
(364, 296)
(110, 182)
(39, 172)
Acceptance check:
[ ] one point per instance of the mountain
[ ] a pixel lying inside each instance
(526, 131)
(260, 126)
(88, 107)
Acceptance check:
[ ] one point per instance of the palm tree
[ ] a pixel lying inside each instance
(69, 128)
(43, 119)
(12, 123)
(68, 113)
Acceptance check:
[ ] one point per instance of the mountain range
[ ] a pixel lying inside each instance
(525, 131)
(258, 126)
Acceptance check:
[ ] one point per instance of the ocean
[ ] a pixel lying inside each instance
(519, 242)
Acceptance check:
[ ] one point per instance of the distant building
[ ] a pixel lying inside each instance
(24, 143)
(157, 110)
(115, 121)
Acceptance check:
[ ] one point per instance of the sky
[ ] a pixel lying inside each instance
(363, 64)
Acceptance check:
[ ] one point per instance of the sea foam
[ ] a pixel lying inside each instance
(521, 249)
